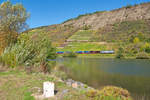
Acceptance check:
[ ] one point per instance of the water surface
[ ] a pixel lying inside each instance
(131, 74)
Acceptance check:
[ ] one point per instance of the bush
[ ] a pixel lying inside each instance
(86, 27)
(136, 40)
(30, 50)
(109, 93)
(12, 21)
(128, 6)
(112, 91)
(142, 55)
(147, 50)
(120, 53)
(93, 94)
(146, 47)
(71, 54)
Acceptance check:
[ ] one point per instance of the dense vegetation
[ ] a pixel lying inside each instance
(110, 93)
(29, 50)
(12, 21)
(133, 37)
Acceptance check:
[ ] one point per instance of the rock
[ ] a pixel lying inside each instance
(69, 83)
(65, 91)
(75, 85)
(48, 89)
(78, 85)
(107, 18)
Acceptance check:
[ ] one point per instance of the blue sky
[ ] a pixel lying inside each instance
(47, 12)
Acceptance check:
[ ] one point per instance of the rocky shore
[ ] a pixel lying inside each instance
(77, 84)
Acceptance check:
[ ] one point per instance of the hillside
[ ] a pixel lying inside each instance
(107, 18)
(102, 28)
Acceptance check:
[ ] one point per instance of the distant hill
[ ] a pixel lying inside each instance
(104, 18)
(107, 26)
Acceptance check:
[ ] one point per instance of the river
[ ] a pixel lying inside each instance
(131, 74)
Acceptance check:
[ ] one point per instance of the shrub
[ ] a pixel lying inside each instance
(71, 54)
(142, 55)
(128, 6)
(30, 50)
(147, 50)
(86, 27)
(109, 93)
(120, 53)
(12, 21)
(93, 94)
(146, 47)
(136, 40)
(59, 73)
(116, 92)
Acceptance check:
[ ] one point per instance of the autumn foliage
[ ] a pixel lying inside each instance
(12, 21)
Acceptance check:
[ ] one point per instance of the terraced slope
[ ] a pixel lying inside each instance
(120, 25)
(82, 41)
(81, 36)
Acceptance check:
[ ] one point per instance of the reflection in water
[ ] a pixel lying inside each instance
(133, 75)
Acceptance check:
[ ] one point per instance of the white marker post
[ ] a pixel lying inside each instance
(48, 89)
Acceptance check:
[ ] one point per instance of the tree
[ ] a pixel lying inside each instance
(120, 52)
(136, 40)
(30, 50)
(12, 21)
(146, 47)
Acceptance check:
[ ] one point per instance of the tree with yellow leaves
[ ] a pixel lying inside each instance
(12, 21)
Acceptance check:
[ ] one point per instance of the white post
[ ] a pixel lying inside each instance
(48, 89)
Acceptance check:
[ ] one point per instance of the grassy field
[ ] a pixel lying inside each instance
(19, 85)
(16, 85)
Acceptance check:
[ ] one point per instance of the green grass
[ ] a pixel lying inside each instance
(15, 85)
(28, 96)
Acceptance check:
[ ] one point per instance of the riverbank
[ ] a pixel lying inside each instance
(20, 85)
(125, 50)
(113, 56)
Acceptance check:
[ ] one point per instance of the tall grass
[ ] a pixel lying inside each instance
(30, 50)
